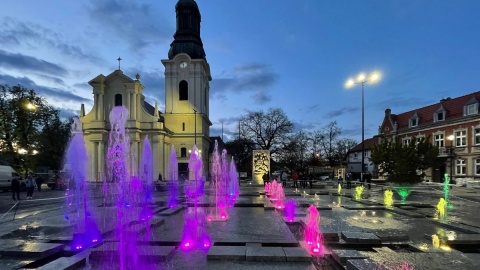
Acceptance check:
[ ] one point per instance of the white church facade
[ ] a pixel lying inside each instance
(185, 121)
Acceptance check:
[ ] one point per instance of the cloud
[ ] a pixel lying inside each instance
(298, 126)
(14, 34)
(27, 63)
(402, 103)
(341, 111)
(54, 93)
(131, 21)
(255, 78)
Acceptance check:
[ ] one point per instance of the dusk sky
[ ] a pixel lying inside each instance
(292, 54)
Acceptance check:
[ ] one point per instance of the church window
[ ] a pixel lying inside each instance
(183, 90)
(183, 152)
(183, 126)
(118, 100)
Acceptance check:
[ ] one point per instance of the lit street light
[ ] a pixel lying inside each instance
(362, 79)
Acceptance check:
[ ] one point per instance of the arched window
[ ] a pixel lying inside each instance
(183, 90)
(118, 100)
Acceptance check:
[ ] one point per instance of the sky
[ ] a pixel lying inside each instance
(292, 54)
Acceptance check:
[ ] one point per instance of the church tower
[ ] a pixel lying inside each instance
(187, 86)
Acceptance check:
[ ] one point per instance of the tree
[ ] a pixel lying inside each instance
(342, 146)
(294, 153)
(241, 149)
(23, 118)
(268, 130)
(404, 164)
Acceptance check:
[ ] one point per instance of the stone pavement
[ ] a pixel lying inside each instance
(358, 234)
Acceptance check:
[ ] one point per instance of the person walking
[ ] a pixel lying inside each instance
(368, 179)
(31, 185)
(39, 182)
(284, 179)
(349, 180)
(15, 188)
(295, 179)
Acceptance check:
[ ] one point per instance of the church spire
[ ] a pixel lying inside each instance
(187, 36)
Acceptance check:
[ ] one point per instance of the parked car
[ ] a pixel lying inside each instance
(7, 173)
(324, 177)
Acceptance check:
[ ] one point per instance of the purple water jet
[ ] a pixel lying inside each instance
(219, 178)
(312, 234)
(194, 232)
(172, 180)
(75, 170)
(234, 187)
(290, 209)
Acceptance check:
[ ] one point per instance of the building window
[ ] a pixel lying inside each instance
(118, 100)
(365, 154)
(183, 90)
(461, 138)
(439, 116)
(477, 166)
(413, 122)
(183, 126)
(461, 167)
(419, 138)
(472, 109)
(355, 155)
(477, 136)
(406, 141)
(183, 152)
(439, 140)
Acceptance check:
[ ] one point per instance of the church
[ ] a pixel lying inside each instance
(185, 121)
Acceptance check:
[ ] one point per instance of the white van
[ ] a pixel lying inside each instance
(7, 173)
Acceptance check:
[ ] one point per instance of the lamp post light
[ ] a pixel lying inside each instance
(362, 79)
(451, 138)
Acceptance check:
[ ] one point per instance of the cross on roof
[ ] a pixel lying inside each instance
(119, 59)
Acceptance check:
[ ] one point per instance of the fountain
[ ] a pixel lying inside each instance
(441, 206)
(313, 236)
(339, 189)
(388, 198)
(234, 187)
(172, 180)
(403, 191)
(435, 241)
(194, 232)
(290, 208)
(129, 189)
(146, 172)
(280, 197)
(220, 181)
(358, 192)
(446, 190)
(76, 162)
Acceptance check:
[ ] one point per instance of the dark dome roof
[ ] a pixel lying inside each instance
(189, 4)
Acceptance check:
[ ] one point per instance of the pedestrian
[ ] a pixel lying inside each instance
(15, 188)
(368, 179)
(284, 179)
(39, 182)
(30, 184)
(349, 180)
(295, 179)
(310, 179)
(265, 178)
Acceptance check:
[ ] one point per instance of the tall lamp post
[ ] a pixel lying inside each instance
(195, 115)
(452, 153)
(362, 79)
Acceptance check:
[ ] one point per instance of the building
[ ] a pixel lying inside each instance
(354, 159)
(185, 121)
(453, 125)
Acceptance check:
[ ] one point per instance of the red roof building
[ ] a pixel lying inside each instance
(453, 124)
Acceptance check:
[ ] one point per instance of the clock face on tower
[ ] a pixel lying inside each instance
(183, 64)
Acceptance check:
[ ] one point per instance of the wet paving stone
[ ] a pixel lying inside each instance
(265, 254)
(230, 253)
(342, 255)
(360, 237)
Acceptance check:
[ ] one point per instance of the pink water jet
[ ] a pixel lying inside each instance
(312, 233)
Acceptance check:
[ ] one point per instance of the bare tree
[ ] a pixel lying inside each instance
(269, 130)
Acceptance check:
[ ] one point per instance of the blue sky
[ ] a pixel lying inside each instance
(292, 54)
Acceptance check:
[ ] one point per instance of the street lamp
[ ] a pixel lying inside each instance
(195, 126)
(451, 138)
(362, 79)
